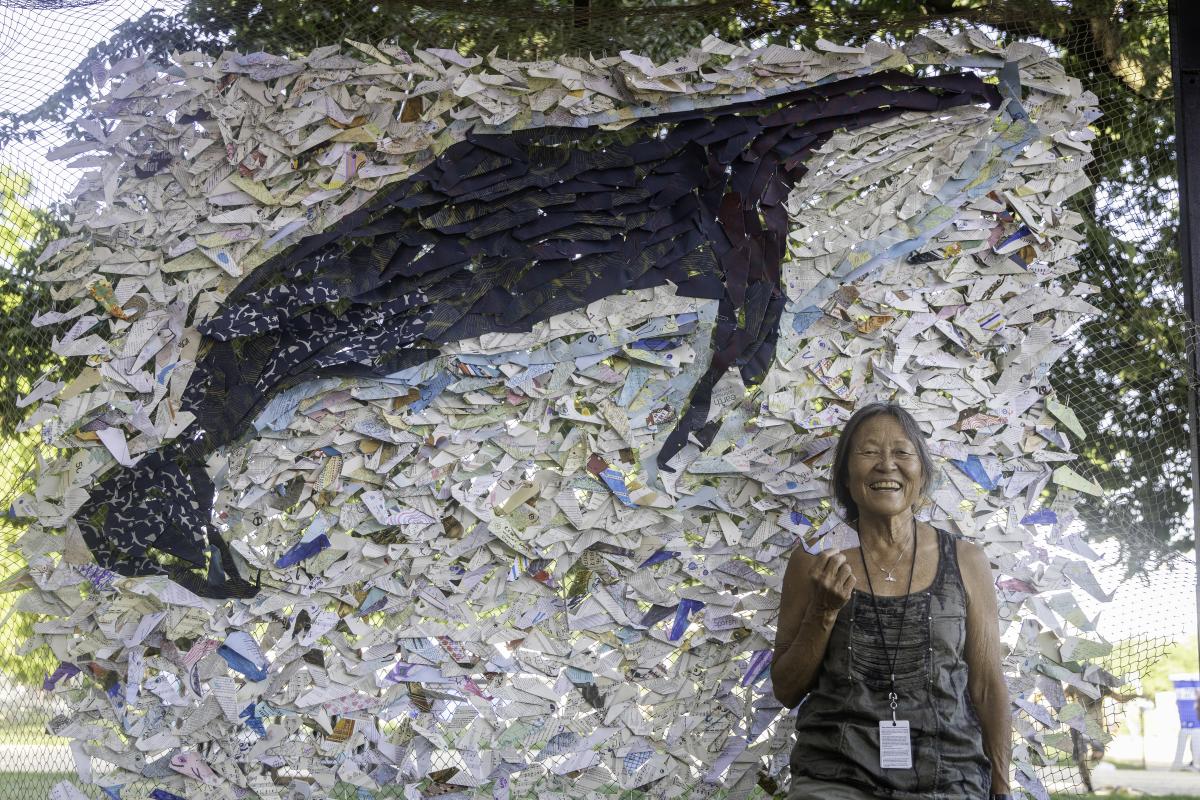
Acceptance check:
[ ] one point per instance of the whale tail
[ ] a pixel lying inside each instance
(154, 519)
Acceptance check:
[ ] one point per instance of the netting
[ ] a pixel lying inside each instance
(1126, 378)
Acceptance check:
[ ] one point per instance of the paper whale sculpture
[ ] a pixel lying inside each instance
(500, 232)
(443, 424)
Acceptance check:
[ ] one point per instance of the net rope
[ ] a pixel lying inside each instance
(1127, 380)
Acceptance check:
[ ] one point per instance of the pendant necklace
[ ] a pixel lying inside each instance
(895, 743)
(888, 571)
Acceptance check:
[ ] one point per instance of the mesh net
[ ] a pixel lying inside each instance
(1127, 379)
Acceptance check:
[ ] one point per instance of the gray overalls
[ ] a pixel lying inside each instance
(837, 743)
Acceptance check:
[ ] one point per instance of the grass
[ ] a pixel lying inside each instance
(37, 785)
(29, 734)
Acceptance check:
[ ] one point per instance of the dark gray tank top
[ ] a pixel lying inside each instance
(837, 724)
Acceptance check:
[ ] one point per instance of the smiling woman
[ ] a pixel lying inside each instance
(898, 687)
(867, 440)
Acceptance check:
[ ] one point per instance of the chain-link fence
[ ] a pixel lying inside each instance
(1127, 379)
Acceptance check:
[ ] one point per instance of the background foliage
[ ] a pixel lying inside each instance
(1179, 659)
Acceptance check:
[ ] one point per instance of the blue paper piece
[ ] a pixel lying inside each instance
(973, 467)
(161, 375)
(239, 663)
(659, 557)
(580, 677)
(163, 794)
(375, 600)
(760, 663)
(656, 344)
(1043, 516)
(629, 635)
(281, 409)
(253, 722)
(303, 551)
(634, 381)
(655, 615)
(116, 697)
(1016, 236)
(64, 670)
(804, 319)
(682, 612)
(113, 792)
(616, 482)
(431, 390)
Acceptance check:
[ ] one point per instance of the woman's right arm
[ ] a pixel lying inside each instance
(814, 590)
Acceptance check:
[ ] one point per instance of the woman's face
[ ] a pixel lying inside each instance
(885, 474)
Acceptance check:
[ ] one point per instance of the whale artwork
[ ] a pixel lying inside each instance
(442, 424)
(500, 232)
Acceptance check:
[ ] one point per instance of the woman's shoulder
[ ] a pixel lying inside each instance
(970, 555)
(800, 559)
(945, 533)
(973, 563)
(963, 545)
(961, 542)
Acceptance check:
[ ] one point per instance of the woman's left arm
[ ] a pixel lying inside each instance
(985, 681)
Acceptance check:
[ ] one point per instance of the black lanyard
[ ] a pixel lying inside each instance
(892, 654)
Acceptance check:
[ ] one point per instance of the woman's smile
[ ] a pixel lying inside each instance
(885, 474)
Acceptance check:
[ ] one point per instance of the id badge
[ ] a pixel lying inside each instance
(895, 746)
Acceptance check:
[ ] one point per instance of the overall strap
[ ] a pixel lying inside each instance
(948, 573)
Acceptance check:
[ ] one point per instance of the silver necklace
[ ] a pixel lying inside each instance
(887, 572)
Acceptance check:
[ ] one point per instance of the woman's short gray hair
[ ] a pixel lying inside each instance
(840, 473)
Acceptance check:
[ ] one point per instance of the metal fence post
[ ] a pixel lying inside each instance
(1184, 18)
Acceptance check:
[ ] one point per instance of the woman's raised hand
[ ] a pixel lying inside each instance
(831, 582)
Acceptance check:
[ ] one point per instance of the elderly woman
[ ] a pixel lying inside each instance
(892, 647)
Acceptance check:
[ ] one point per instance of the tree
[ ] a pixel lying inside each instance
(25, 230)
(1179, 659)
(1127, 379)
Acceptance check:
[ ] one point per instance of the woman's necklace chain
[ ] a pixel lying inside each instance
(889, 570)
(891, 655)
